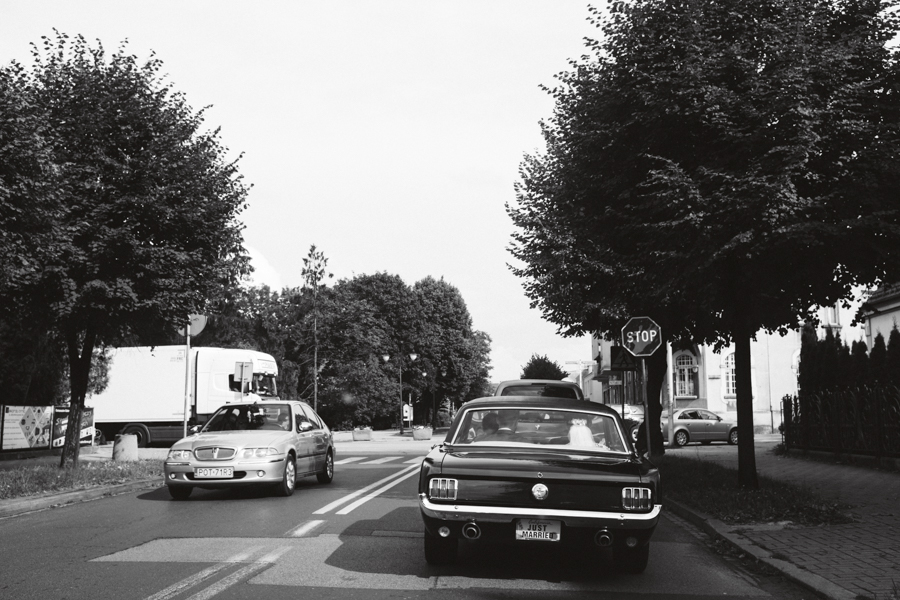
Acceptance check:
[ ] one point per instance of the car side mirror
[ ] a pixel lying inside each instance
(305, 426)
(194, 429)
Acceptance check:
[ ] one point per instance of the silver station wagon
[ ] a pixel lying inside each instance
(258, 444)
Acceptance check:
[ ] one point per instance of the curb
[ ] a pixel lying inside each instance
(11, 508)
(719, 530)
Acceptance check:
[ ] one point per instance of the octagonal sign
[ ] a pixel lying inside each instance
(641, 336)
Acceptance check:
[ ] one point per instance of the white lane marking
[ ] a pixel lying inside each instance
(381, 461)
(362, 491)
(365, 499)
(413, 461)
(239, 575)
(349, 460)
(304, 528)
(177, 588)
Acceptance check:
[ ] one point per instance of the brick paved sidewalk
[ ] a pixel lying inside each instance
(862, 557)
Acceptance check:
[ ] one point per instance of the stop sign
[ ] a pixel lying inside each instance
(641, 336)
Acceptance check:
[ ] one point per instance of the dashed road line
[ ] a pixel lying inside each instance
(381, 461)
(349, 460)
(304, 528)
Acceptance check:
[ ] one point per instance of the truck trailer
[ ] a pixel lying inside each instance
(145, 395)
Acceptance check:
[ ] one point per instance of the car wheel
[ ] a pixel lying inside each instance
(327, 472)
(732, 436)
(634, 433)
(634, 560)
(681, 438)
(289, 478)
(180, 492)
(440, 551)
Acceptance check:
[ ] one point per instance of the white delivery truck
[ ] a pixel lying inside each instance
(145, 395)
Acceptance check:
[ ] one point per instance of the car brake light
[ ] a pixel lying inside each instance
(443, 489)
(636, 498)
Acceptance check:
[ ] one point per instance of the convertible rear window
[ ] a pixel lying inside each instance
(547, 428)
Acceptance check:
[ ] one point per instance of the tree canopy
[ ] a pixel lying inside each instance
(140, 227)
(720, 167)
(541, 367)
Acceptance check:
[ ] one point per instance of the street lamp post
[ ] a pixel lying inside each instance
(412, 357)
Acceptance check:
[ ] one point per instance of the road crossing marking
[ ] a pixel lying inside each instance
(349, 460)
(243, 573)
(414, 461)
(176, 588)
(409, 473)
(304, 528)
(381, 461)
(328, 508)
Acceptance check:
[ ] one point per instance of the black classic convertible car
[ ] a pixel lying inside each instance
(535, 470)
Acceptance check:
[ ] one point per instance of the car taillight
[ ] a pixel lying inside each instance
(443, 489)
(636, 498)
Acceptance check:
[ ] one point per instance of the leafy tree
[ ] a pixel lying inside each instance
(313, 273)
(878, 360)
(859, 363)
(892, 359)
(541, 367)
(720, 167)
(144, 227)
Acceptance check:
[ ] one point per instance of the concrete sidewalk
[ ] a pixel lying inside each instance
(855, 561)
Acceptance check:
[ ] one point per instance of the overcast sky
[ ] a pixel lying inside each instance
(387, 133)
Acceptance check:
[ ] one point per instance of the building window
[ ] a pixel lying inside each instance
(730, 386)
(684, 375)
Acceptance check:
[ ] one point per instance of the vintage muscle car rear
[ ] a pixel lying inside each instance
(539, 471)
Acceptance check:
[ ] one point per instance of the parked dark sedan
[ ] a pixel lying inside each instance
(530, 470)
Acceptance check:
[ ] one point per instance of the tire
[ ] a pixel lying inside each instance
(440, 551)
(288, 478)
(732, 437)
(634, 433)
(140, 433)
(327, 472)
(634, 560)
(682, 438)
(180, 492)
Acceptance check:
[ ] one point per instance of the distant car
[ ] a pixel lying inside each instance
(268, 443)
(700, 425)
(540, 387)
(541, 471)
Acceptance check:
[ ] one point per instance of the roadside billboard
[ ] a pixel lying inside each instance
(25, 427)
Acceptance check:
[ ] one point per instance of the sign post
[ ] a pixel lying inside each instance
(641, 336)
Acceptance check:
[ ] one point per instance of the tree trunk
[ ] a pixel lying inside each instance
(746, 450)
(79, 372)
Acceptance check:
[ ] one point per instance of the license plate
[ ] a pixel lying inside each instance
(540, 530)
(214, 472)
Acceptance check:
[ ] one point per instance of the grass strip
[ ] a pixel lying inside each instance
(46, 478)
(713, 489)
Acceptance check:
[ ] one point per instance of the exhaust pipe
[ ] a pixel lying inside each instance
(603, 538)
(471, 531)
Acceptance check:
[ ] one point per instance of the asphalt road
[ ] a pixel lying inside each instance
(359, 537)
